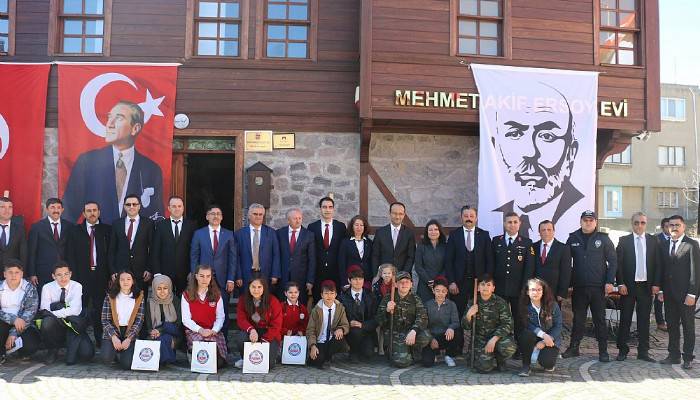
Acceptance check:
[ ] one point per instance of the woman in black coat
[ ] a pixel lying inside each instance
(356, 249)
(430, 259)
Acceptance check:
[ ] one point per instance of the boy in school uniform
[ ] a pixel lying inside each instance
(328, 326)
(361, 308)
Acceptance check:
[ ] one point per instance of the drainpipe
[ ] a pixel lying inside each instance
(697, 160)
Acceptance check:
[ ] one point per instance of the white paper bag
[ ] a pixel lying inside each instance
(146, 355)
(203, 357)
(256, 358)
(294, 350)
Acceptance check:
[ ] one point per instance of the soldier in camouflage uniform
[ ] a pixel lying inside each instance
(494, 342)
(410, 323)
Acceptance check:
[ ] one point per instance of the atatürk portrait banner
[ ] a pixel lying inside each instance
(537, 153)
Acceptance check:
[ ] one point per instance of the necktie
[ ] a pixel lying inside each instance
(394, 235)
(130, 232)
(92, 248)
(640, 272)
(216, 242)
(120, 174)
(673, 248)
(469, 241)
(55, 231)
(177, 230)
(326, 238)
(357, 299)
(62, 299)
(256, 250)
(544, 254)
(293, 241)
(328, 328)
(510, 241)
(3, 236)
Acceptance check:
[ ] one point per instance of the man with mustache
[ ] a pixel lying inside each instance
(537, 146)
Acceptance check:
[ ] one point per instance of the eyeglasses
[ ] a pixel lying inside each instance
(132, 204)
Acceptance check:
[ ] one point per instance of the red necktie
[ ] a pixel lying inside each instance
(130, 232)
(55, 231)
(92, 246)
(544, 253)
(326, 238)
(293, 241)
(216, 242)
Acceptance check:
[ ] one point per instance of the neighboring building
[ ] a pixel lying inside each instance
(294, 66)
(657, 173)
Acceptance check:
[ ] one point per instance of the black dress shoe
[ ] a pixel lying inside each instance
(621, 356)
(687, 364)
(668, 361)
(571, 352)
(524, 372)
(604, 357)
(645, 357)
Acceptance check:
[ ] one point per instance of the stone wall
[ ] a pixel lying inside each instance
(49, 181)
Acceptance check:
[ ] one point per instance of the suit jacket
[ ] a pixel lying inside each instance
(513, 264)
(43, 251)
(556, 270)
(300, 265)
(349, 255)
(225, 259)
(383, 250)
(627, 259)
(268, 255)
(678, 276)
(136, 259)
(456, 255)
(327, 259)
(78, 256)
(16, 248)
(169, 257)
(365, 312)
(93, 178)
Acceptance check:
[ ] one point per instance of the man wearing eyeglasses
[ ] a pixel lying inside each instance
(258, 250)
(636, 260)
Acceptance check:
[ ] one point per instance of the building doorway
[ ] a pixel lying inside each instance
(210, 180)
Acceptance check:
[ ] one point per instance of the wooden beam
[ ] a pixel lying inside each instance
(652, 63)
(384, 189)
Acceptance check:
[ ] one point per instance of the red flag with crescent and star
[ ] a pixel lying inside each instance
(22, 122)
(115, 127)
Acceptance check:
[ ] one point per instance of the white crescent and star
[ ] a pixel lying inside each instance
(150, 106)
(4, 137)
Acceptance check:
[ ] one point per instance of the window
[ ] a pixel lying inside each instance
(287, 27)
(672, 109)
(613, 201)
(218, 28)
(619, 31)
(667, 199)
(621, 158)
(672, 156)
(7, 31)
(480, 27)
(80, 27)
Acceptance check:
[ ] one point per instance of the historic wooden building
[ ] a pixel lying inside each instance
(330, 71)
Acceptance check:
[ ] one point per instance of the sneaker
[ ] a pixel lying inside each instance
(524, 372)
(450, 361)
(550, 369)
(239, 364)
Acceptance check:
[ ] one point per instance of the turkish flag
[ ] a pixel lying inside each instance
(115, 129)
(22, 117)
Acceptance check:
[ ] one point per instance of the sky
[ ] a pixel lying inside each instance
(680, 41)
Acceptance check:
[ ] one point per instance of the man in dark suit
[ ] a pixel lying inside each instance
(13, 242)
(514, 264)
(468, 256)
(258, 250)
(679, 280)
(170, 252)
(665, 234)
(47, 243)
(552, 261)
(130, 243)
(215, 246)
(86, 254)
(636, 272)
(394, 243)
(297, 255)
(328, 233)
(107, 174)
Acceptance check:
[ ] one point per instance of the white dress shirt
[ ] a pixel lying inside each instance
(187, 315)
(51, 293)
(640, 272)
(330, 230)
(353, 292)
(128, 158)
(7, 232)
(508, 237)
(94, 247)
(322, 337)
(137, 219)
(179, 225)
(360, 244)
(466, 232)
(252, 234)
(549, 247)
(51, 222)
(11, 300)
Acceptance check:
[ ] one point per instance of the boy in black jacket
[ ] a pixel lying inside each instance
(361, 308)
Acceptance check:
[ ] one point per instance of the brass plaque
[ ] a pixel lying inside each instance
(283, 140)
(258, 141)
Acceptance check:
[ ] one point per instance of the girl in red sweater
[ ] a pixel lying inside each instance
(259, 316)
(294, 314)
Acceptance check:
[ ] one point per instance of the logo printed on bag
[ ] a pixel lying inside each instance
(255, 357)
(294, 349)
(145, 354)
(202, 356)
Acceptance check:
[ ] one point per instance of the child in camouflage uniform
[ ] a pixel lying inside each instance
(410, 323)
(494, 342)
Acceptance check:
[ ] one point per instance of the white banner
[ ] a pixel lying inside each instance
(146, 355)
(537, 153)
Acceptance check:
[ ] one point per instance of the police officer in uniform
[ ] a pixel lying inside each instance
(594, 268)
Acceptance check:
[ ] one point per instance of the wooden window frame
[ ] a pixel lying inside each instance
(56, 18)
(191, 29)
(11, 16)
(504, 40)
(261, 32)
(637, 32)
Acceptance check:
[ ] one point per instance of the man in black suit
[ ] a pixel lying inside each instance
(130, 243)
(394, 243)
(13, 242)
(552, 261)
(297, 255)
(468, 256)
(86, 253)
(107, 174)
(664, 235)
(328, 233)
(636, 272)
(172, 238)
(679, 280)
(514, 264)
(47, 243)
